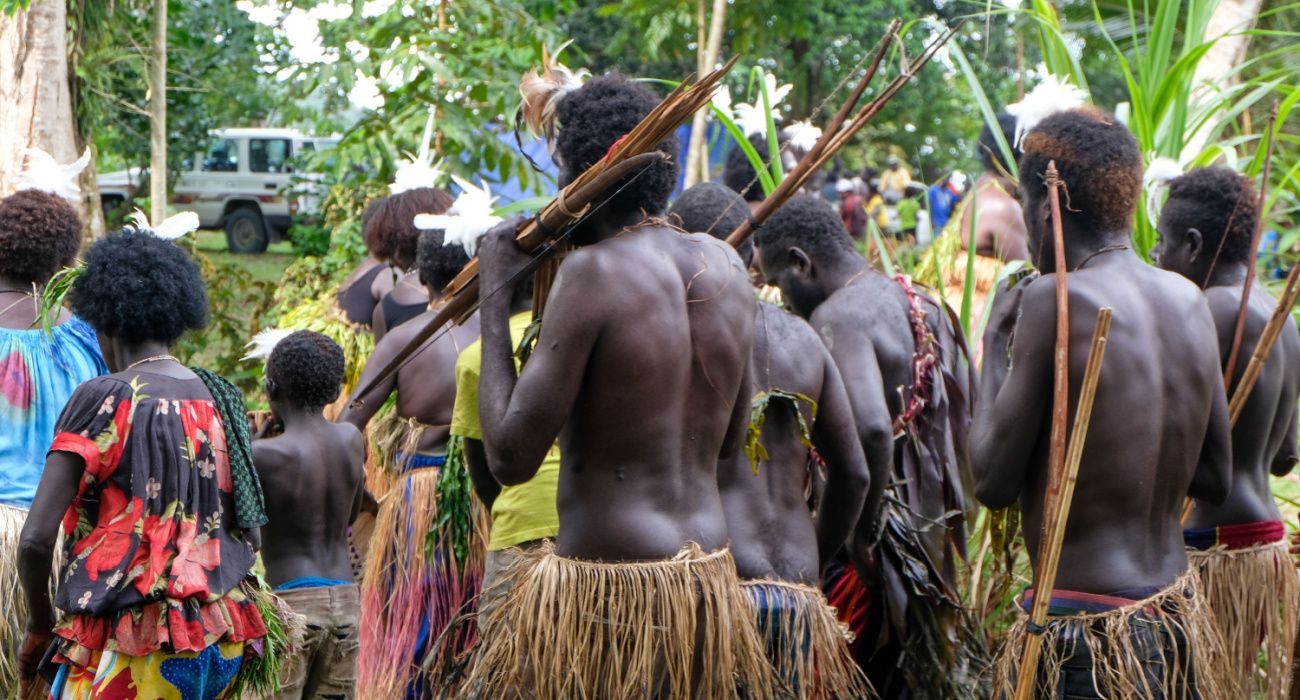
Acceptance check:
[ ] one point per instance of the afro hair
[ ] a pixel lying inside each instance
(713, 209)
(40, 234)
(305, 369)
(439, 264)
(738, 173)
(594, 117)
(990, 153)
(1098, 160)
(137, 288)
(388, 224)
(809, 222)
(1221, 204)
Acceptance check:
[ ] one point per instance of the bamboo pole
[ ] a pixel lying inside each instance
(1272, 330)
(1231, 368)
(1045, 581)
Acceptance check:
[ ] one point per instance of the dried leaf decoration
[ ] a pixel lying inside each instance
(754, 449)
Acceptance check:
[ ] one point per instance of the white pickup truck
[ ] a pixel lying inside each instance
(241, 184)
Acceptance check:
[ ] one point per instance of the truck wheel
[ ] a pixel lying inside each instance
(246, 232)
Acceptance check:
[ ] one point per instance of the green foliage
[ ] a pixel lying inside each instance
(260, 674)
(9, 7)
(214, 77)
(455, 524)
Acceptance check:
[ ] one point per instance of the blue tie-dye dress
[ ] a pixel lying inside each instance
(38, 373)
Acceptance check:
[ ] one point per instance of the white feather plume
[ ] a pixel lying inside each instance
(418, 170)
(42, 172)
(1155, 181)
(1051, 96)
(260, 347)
(168, 229)
(750, 117)
(469, 217)
(721, 100)
(803, 135)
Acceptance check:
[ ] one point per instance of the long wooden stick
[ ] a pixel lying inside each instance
(1048, 565)
(1231, 368)
(1272, 330)
(837, 132)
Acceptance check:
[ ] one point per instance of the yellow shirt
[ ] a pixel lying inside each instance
(524, 512)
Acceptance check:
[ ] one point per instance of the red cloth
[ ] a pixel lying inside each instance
(852, 601)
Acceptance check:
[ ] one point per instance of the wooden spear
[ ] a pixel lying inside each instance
(1060, 407)
(1049, 560)
(840, 129)
(1240, 330)
(1272, 330)
(631, 154)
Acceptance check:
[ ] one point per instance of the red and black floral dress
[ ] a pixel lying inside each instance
(152, 557)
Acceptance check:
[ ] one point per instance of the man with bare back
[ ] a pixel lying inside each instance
(641, 370)
(903, 366)
(1239, 547)
(780, 549)
(1127, 617)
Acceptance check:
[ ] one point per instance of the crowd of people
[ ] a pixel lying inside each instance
(630, 474)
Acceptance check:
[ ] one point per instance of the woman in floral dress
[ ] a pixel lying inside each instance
(151, 597)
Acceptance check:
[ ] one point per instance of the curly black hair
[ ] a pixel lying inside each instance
(305, 369)
(738, 173)
(40, 234)
(810, 222)
(595, 116)
(137, 287)
(439, 264)
(1220, 203)
(990, 153)
(388, 224)
(713, 209)
(1098, 160)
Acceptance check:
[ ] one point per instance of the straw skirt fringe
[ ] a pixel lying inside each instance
(1254, 595)
(1121, 669)
(14, 623)
(806, 644)
(676, 628)
(405, 587)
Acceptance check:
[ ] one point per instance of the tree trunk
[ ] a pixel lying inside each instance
(36, 102)
(158, 116)
(697, 155)
(1234, 16)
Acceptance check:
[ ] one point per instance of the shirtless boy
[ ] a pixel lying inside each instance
(1159, 430)
(312, 479)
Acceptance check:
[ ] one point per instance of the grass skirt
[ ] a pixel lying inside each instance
(412, 589)
(14, 624)
(807, 645)
(1121, 669)
(1254, 594)
(675, 628)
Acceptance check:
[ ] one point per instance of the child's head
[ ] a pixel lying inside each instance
(305, 370)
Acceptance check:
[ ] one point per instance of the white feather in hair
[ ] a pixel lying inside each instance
(750, 117)
(469, 217)
(260, 347)
(803, 135)
(542, 90)
(1051, 96)
(169, 229)
(1155, 181)
(418, 170)
(42, 172)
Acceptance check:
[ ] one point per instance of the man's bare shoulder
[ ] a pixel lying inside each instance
(785, 328)
(272, 454)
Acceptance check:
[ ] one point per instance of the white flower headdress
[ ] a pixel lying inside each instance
(1051, 96)
(469, 217)
(169, 229)
(418, 170)
(42, 172)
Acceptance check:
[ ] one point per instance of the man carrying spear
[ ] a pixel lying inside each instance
(641, 370)
(1127, 616)
(1239, 547)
